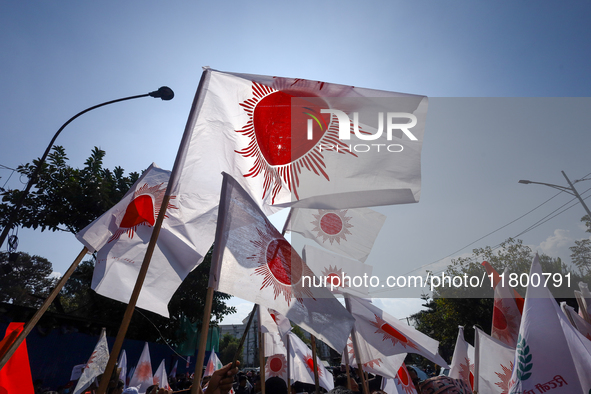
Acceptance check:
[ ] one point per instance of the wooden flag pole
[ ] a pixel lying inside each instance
(356, 349)
(261, 353)
(239, 350)
(37, 316)
(347, 368)
(315, 363)
(288, 351)
(134, 296)
(202, 341)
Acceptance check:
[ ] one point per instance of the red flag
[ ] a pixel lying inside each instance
(519, 300)
(15, 377)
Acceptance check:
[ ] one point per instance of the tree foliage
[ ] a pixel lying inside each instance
(228, 346)
(26, 280)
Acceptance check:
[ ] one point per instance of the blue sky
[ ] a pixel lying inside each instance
(58, 58)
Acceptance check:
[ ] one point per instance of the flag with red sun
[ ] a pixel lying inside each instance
(462, 361)
(506, 316)
(253, 261)
(302, 364)
(283, 140)
(350, 232)
(96, 364)
(142, 376)
(372, 359)
(276, 366)
(160, 376)
(385, 332)
(272, 321)
(341, 274)
(494, 364)
(121, 237)
(401, 384)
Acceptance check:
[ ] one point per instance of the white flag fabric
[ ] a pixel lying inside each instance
(275, 324)
(462, 362)
(213, 364)
(401, 384)
(302, 364)
(388, 334)
(495, 364)
(578, 322)
(95, 365)
(275, 137)
(551, 354)
(160, 376)
(122, 365)
(121, 237)
(584, 299)
(350, 232)
(142, 376)
(506, 315)
(173, 372)
(337, 273)
(253, 261)
(276, 366)
(372, 359)
(273, 344)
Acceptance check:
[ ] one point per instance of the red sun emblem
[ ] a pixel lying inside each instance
(505, 377)
(505, 323)
(310, 365)
(276, 366)
(334, 276)
(280, 265)
(390, 333)
(142, 210)
(404, 381)
(467, 372)
(376, 362)
(332, 225)
(143, 371)
(277, 133)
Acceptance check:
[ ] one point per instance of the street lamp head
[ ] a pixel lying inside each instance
(524, 182)
(165, 93)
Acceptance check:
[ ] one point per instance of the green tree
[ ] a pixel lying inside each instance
(25, 279)
(228, 346)
(581, 251)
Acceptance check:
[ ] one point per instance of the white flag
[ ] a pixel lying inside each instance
(253, 261)
(273, 322)
(213, 364)
(338, 274)
(584, 300)
(495, 364)
(160, 377)
(287, 139)
(506, 315)
(577, 321)
(122, 364)
(462, 362)
(95, 365)
(302, 364)
(142, 376)
(276, 366)
(350, 232)
(550, 353)
(121, 237)
(386, 333)
(173, 372)
(372, 359)
(401, 384)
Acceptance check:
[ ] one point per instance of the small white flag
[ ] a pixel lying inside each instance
(95, 365)
(302, 364)
(495, 364)
(160, 377)
(462, 362)
(142, 376)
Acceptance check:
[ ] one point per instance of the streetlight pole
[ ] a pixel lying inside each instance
(165, 93)
(570, 190)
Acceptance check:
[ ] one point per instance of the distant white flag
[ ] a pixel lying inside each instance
(462, 362)
(372, 359)
(272, 321)
(584, 300)
(142, 376)
(253, 261)
(495, 364)
(302, 364)
(96, 364)
(386, 333)
(550, 353)
(338, 273)
(349, 232)
(173, 371)
(276, 366)
(401, 384)
(122, 365)
(578, 322)
(160, 376)
(121, 237)
(506, 315)
(274, 344)
(213, 364)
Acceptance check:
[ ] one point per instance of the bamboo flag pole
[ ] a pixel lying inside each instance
(202, 341)
(347, 368)
(315, 363)
(288, 351)
(356, 349)
(262, 363)
(35, 319)
(178, 163)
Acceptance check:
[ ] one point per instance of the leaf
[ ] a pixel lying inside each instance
(526, 376)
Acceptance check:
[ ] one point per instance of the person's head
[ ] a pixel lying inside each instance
(242, 380)
(153, 389)
(414, 377)
(276, 385)
(340, 390)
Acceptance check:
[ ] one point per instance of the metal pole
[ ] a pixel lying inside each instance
(577, 195)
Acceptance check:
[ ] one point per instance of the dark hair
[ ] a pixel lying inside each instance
(275, 385)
